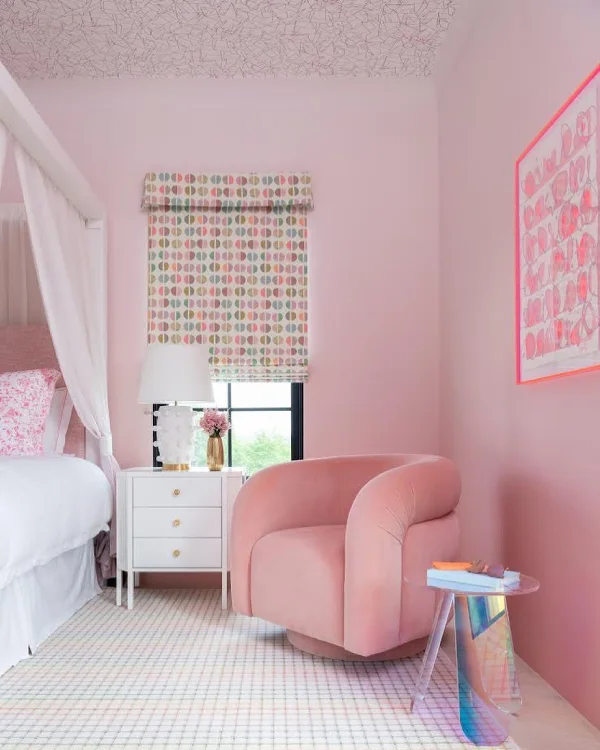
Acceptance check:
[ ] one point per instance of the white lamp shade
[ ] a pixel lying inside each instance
(176, 372)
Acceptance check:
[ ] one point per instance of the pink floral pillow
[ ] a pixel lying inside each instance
(25, 399)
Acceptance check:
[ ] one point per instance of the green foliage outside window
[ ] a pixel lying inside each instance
(261, 450)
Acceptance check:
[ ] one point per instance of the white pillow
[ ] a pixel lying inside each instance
(57, 422)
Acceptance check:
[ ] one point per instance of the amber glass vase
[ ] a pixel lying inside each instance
(215, 457)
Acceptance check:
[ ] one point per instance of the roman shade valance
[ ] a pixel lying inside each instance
(227, 262)
(199, 192)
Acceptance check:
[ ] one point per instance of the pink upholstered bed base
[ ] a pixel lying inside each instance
(29, 348)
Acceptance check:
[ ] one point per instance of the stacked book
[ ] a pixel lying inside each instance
(455, 576)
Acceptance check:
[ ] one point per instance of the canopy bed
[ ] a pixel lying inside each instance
(57, 480)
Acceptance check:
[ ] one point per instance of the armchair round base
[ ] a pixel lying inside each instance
(331, 651)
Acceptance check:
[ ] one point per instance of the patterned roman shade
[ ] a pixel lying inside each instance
(227, 257)
(238, 192)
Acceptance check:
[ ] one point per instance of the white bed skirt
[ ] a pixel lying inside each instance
(35, 604)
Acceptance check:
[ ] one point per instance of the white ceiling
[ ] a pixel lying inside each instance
(222, 38)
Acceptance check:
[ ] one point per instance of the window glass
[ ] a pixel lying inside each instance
(220, 391)
(261, 415)
(261, 439)
(261, 395)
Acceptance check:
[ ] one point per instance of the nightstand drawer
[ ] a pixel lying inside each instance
(162, 491)
(177, 553)
(176, 522)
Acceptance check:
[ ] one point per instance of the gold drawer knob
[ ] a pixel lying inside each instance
(176, 492)
(176, 553)
(176, 522)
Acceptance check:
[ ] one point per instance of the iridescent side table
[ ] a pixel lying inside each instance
(488, 685)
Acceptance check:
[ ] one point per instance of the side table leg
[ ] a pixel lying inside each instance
(433, 646)
(119, 586)
(224, 588)
(488, 688)
(130, 587)
(224, 542)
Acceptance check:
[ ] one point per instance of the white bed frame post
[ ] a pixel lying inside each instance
(96, 231)
(28, 128)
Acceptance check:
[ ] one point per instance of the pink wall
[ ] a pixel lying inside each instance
(529, 454)
(372, 149)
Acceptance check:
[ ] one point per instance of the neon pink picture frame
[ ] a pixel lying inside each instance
(557, 242)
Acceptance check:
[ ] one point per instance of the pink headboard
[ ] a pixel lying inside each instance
(29, 348)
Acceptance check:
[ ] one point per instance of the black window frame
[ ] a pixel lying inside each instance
(296, 410)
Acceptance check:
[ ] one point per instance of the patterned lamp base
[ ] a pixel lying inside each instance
(175, 431)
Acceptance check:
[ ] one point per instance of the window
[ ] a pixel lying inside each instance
(228, 267)
(266, 424)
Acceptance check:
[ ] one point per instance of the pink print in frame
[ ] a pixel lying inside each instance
(557, 243)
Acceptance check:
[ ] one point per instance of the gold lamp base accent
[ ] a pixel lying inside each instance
(176, 467)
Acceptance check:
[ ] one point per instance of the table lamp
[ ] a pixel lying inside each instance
(172, 373)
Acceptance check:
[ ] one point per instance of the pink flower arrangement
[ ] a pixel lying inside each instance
(214, 422)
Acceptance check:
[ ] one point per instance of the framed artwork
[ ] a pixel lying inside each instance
(557, 234)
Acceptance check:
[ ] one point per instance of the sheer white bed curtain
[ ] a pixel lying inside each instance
(74, 308)
(20, 299)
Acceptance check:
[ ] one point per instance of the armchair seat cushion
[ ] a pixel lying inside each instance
(297, 580)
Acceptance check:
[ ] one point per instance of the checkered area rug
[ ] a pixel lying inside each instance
(179, 673)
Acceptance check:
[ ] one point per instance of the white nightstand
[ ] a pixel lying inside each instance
(174, 522)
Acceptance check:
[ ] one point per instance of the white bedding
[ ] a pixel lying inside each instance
(48, 505)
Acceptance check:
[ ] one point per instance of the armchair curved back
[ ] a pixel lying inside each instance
(425, 490)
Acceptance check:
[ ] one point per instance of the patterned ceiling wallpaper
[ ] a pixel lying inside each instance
(221, 38)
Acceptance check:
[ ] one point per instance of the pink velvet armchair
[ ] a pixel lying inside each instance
(324, 547)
